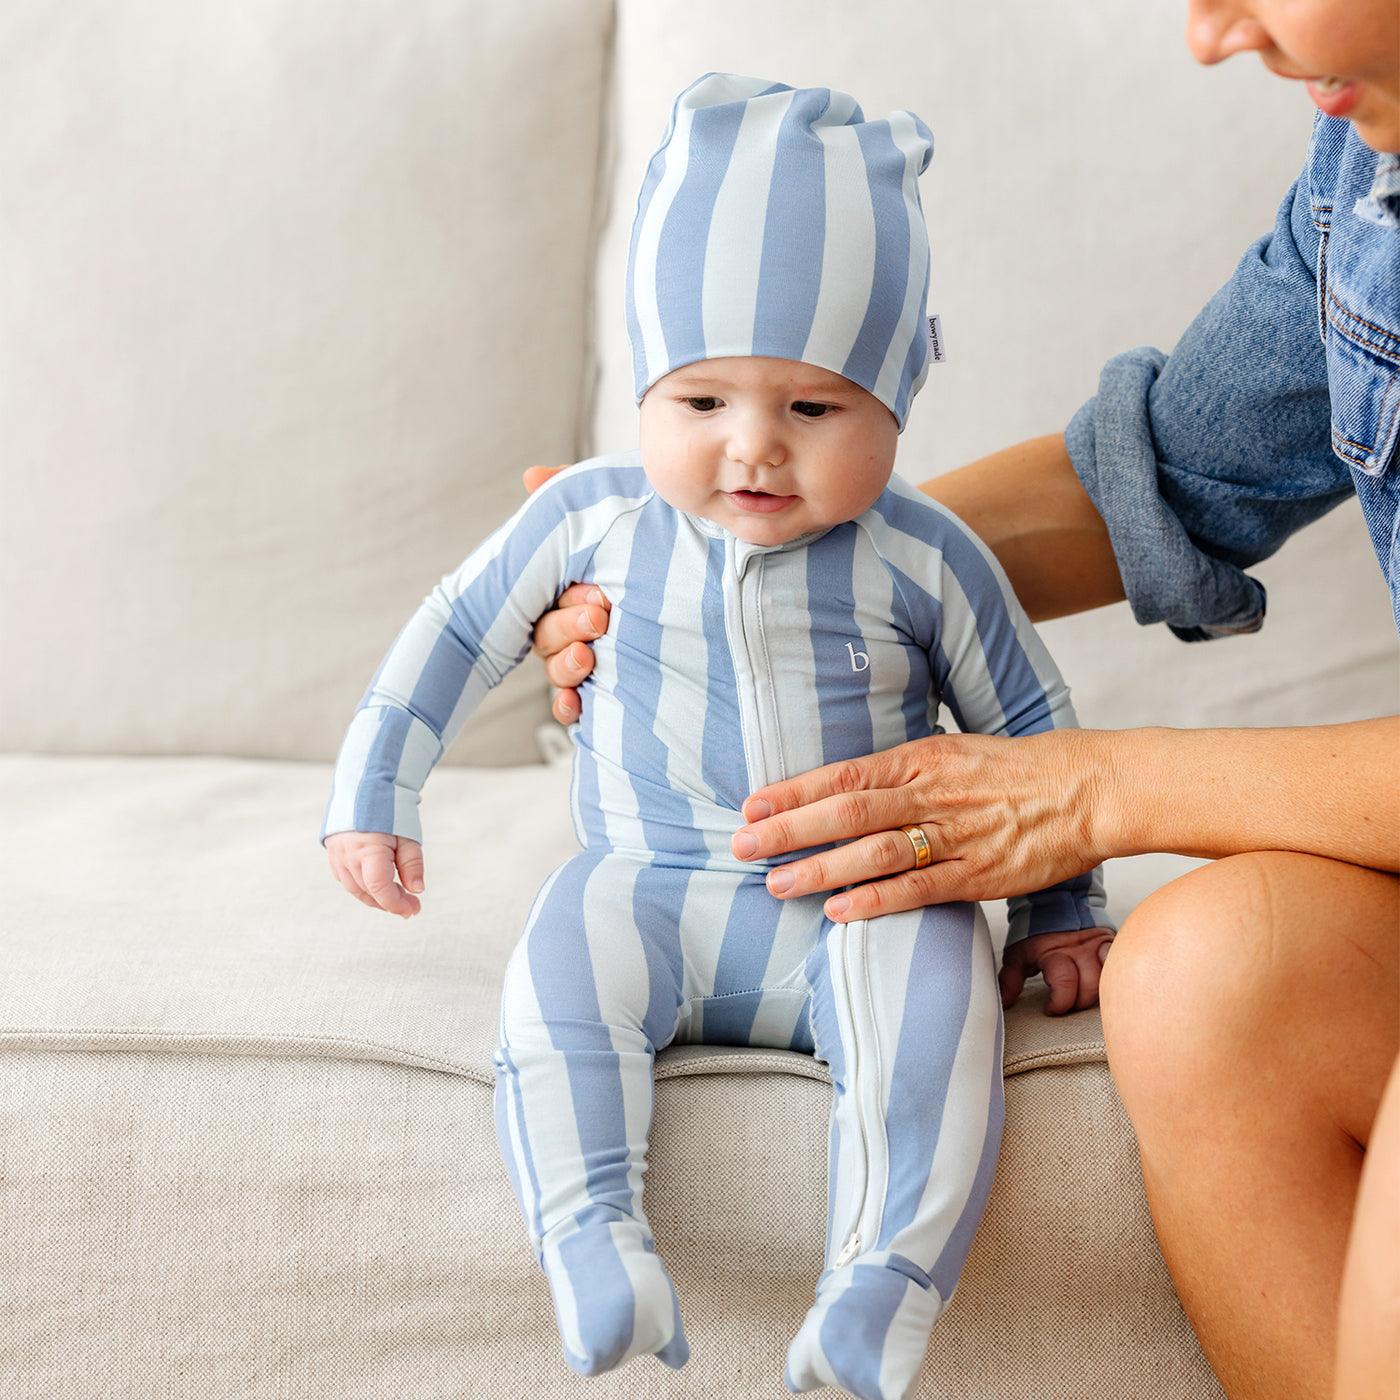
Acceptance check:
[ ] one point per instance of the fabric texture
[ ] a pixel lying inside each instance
(1278, 403)
(248, 1144)
(778, 221)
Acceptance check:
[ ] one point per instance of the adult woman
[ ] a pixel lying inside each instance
(1257, 1085)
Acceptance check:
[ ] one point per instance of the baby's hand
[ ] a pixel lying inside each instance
(365, 862)
(1070, 963)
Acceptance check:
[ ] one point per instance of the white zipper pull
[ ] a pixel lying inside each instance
(849, 1250)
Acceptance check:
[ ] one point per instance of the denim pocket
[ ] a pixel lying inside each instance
(1363, 375)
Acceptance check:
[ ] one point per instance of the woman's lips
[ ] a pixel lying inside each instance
(1332, 96)
(759, 502)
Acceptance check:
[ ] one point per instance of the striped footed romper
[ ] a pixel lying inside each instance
(727, 666)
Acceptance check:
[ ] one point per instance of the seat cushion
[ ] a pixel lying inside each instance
(249, 1145)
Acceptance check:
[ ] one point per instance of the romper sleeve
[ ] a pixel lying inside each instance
(469, 632)
(997, 677)
(1203, 462)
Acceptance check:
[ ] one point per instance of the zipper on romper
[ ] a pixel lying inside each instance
(853, 985)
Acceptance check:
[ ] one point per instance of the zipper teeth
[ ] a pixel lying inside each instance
(847, 953)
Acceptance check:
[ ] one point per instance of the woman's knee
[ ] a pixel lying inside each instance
(1249, 960)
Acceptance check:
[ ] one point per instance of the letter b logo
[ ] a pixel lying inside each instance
(860, 660)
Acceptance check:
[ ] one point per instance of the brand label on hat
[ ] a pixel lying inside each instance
(935, 341)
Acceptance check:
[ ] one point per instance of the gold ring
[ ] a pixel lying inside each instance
(923, 852)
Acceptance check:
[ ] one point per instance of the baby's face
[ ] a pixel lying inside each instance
(769, 449)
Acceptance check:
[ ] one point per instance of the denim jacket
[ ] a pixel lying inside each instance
(1282, 398)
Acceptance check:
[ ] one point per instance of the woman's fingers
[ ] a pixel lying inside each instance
(885, 853)
(878, 810)
(843, 791)
(579, 616)
(535, 477)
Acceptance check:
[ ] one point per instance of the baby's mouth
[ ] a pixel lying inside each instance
(759, 502)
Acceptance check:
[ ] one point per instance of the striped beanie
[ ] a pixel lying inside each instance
(778, 221)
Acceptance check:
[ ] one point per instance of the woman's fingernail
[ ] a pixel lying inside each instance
(838, 906)
(757, 809)
(595, 595)
(779, 882)
(572, 662)
(744, 844)
(1103, 951)
(416, 886)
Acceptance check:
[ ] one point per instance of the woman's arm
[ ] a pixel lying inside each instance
(1027, 504)
(1010, 815)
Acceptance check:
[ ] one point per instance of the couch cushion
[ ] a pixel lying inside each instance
(248, 1143)
(185, 904)
(292, 295)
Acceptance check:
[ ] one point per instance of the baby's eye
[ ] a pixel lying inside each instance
(810, 410)
(702, 403)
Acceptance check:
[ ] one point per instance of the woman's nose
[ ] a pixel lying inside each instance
(1215, 29)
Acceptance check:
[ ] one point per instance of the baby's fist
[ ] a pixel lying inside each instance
(366, 862)
(1069, 962)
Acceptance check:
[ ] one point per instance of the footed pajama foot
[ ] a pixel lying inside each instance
(613, 1299)
(866, 1333)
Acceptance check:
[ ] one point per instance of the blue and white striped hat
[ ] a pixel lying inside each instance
(778, 221)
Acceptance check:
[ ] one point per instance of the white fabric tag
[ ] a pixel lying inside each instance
(935, 341)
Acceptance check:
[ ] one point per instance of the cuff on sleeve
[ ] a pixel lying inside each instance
(1166, 577)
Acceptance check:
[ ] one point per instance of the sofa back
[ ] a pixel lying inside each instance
(291, 293)
(290, 296)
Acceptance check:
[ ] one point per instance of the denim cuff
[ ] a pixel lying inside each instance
(1167, 577)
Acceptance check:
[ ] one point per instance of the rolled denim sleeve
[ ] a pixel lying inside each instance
(1204, 461)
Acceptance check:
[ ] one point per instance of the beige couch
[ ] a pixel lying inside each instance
(288, 296)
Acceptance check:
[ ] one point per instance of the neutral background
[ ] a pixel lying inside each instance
(247, 271)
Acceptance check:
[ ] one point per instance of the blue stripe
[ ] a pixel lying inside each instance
(842, 695)
(940, 975)
(658, 898)
(743, 960)
(511, 1107)
(916, 361)
(680, 254)
(668, 822)
(853, 1336)
(374, 798)
(561, 970)
(825, 1030)
(607, 1309)
(884, 163)
(794, 231)
(1020, 695)
(655, 170)
(722, 763)
(948, 1267)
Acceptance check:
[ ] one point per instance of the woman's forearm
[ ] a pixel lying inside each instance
(1330, 790)
(1028, 505)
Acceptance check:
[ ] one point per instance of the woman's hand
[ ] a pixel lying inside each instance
(562, 635)
(1001, 816)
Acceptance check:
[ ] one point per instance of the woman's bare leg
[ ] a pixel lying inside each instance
(1252, 1011)
(1368, 1339)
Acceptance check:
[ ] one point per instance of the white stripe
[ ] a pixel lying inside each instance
(906, 137)
(962, 1133)
(729, 294)
(677, 157)
(848, 253)
(622, 983)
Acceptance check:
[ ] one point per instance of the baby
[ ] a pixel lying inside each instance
(780, 601)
